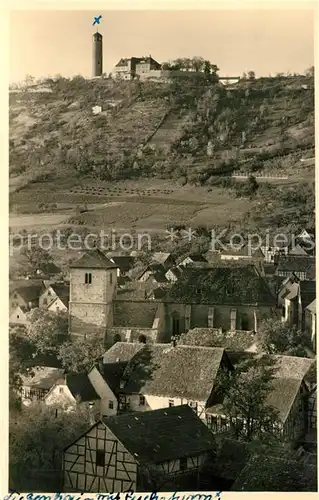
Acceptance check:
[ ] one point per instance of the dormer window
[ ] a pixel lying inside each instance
(88, 278)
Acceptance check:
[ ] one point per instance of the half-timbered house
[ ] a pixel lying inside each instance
(288, 395)
(36, 385)
(152, 451)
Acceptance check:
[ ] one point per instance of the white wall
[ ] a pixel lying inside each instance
(57, 306)
(104, 391)
(60, 395)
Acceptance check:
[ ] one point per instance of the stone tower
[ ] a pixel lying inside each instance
(97, 54)
(93, 280)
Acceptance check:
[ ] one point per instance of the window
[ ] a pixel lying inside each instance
(100, 458)
(45, 302)
(60, 390)
(18, 316)
(212, 422)
(88, 278)
(142, 400)
(223, 423)
(49, 293)
(57, 308)
(111, 278)
(170, 402)
(193, 404)
(283, 311)
(111, 405)
(183, 463)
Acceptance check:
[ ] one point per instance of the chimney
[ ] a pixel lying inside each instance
(91, 413)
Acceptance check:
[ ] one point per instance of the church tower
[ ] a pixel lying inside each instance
(97, 54)
(93, 281)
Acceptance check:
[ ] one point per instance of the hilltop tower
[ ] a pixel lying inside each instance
(97, 54)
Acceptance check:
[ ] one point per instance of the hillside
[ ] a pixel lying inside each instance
(176, 143)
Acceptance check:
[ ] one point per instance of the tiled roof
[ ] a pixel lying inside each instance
(130, 313)
(44, 377)
(181, 371)
(94, 259)
(161, 435)
(161, 257)
(112, 374)
(244, 251)
(292, 367)
(80, 386)
(222, 284)
(49, 268)
(312, 307)
(282, 395)
(122, 352)
(238, 340)
(307, 292)
(264, 473)
(297, 263)
(29, 291)
(63, 293)
(123, 262)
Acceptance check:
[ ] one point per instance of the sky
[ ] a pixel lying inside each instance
(44, 43)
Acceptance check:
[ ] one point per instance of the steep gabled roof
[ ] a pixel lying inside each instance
(282, 394)
(160, 435)
(30, 293)
(292, 367)
(80, 386)
(122, 352)
(312, 307)
(44, 377)
(123, 262)
(94, 259)
(307, 292)
(180, 371)
(227, 283)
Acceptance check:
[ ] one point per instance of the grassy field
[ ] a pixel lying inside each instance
(144, 204)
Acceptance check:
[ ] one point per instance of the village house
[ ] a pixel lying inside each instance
(288, 300)
(36, 385)
(124, 263)
(173, 274)
(306, 295)
(74, 389)
(25, 294)
(310, 325)
(288, 395)
(166, 259)
(156, 450)
(164, 375)
(55, 297)
(243, 253)
(195, 258)
(18, 316)
(304, 267)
